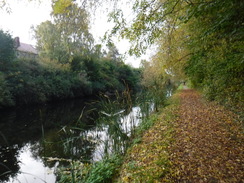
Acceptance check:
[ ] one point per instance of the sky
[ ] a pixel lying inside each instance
(25, 14)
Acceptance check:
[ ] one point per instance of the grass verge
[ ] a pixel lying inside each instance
(147, 160)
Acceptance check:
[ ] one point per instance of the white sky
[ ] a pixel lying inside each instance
(25, 14)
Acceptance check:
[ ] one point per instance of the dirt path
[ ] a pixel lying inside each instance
(209, 144)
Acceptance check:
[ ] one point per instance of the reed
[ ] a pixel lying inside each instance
(119, 117)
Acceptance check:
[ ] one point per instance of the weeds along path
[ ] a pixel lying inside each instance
(209, 143)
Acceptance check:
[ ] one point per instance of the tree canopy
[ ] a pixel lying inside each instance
(200, 40)
(67, 35)
(6, 47)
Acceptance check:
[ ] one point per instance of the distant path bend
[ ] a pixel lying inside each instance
(209, 144)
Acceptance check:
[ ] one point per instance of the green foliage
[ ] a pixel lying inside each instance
(204, 37)
(216, 65)
(28, 81)
(98, 172)
(67, 35)
(6, 99)
(7, 53)
(33, 81)
(76, 64)
(61, 6)
(130, 76)
(75, 173)
(49, 42)
(103, 171)
(105, 74)
(25, 81)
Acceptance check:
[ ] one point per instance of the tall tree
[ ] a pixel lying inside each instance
(49, 42)
(73, 26)
(67, 36)
(113, 52)
(6, 47)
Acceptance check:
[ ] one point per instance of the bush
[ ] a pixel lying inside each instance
(103, 171)
(6, 99)
(7, 53)
(99, 172)
(219, 72)
(29, 81)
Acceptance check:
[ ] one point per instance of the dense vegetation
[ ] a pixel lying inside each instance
(25, 81)
(198, 40)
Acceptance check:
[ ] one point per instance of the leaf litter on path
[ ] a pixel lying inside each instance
(208, 143)
(193, 141)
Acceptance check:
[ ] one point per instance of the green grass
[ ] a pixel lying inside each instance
(180, 87)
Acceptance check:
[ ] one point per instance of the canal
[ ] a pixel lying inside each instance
(36, 140)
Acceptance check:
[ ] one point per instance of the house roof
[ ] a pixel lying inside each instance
(23, 47)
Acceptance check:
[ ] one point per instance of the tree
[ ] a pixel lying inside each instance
(67, 36)
(202, 39)
(113, 52)
(73, 26)
(49, 42)
(7, 52)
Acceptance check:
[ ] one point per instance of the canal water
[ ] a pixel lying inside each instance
(35, 140)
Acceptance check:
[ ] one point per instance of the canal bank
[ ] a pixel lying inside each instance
(50, 138)
(148, 159)
(112, 167)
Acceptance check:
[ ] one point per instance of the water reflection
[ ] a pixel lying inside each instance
(34, 141)
(32, 169)
(113, 132)
(8, 162)
(38, 130)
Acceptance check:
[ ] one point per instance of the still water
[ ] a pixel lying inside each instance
(35, 140)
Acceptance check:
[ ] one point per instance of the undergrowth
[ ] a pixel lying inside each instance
(148, 159)
(108, 169)
(99, 172)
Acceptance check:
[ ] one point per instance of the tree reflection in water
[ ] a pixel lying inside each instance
(39, 127)
(66, 130)
(8, 162)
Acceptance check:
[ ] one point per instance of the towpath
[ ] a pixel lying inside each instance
(208, 142)
(192, 141)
